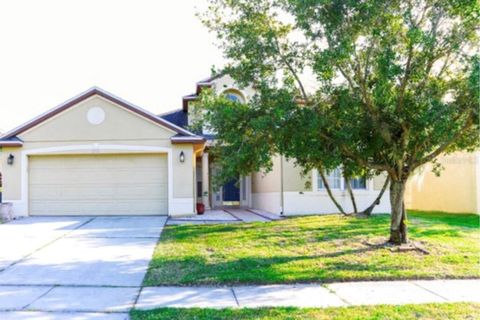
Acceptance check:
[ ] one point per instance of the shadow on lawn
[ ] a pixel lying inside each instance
(288, 232)
(265, 270)
(345, 228)
(300, 250)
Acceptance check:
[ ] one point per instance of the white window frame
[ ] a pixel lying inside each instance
(343, 187)
(341, 180)
(366, 183)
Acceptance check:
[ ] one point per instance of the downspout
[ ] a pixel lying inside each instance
(282, 200)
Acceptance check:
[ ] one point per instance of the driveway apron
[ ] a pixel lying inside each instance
(74, 264)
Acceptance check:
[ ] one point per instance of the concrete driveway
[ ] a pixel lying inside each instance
(74, 267)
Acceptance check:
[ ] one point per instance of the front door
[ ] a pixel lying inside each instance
(231, 193)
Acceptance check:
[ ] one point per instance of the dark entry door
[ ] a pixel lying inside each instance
(231, 192)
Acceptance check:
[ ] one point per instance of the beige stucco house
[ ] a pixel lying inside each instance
(457, 189)
(98, 154)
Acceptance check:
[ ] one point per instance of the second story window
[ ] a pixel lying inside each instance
(234, 95)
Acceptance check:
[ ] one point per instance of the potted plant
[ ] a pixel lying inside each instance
(200, 208)
(6, 211)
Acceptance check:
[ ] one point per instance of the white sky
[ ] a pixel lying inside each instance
(148, 52)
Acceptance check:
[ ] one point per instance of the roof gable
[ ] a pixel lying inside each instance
(106, 95)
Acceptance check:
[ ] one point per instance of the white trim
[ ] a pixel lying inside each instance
(246, 185)
(187, 138)
(170, 179)
(89, 149)
(205, 165)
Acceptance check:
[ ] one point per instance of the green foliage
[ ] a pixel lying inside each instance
(391, 84)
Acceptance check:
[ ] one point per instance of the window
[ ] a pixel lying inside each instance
(234, 95)
(358, 183)
(333, 177)
(199, 189)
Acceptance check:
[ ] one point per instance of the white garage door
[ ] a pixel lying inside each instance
(98, 184)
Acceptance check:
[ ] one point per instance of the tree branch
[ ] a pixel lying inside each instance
(291, 69)
(443, 146)
(364, 163)
(327, 187)
(369, 210)
(352, 197)
(403, 83)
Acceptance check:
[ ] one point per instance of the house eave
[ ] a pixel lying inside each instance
(186, 100)
(187, 140)
(11, 144)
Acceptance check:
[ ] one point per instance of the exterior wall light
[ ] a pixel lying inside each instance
(10, 159)
(182, 157)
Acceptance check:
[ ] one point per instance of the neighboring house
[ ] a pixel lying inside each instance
(457, 189)
(97, 154)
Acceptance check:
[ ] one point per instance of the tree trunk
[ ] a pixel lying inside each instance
(330, 194)
(369, 210)
(398, 227)
(352, 197)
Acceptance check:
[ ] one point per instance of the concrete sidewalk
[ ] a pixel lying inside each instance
(312, 295)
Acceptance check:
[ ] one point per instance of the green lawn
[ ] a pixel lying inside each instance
(454, 311)
(315, 249)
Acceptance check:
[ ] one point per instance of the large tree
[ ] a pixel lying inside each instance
(369, 85)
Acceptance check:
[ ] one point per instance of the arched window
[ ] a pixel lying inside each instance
(234, 95)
